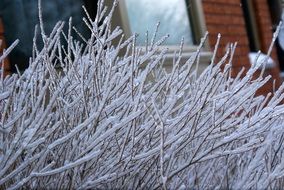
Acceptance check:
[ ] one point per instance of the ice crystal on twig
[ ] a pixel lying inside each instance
(111, 117)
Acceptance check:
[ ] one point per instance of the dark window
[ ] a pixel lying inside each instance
(21, 16)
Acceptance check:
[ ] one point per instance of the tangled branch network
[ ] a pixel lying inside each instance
(104, 115)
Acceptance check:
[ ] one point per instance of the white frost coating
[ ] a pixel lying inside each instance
(68, 165)
(4, 95)
(111, 117)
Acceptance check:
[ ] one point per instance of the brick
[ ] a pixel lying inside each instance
(265, 31)
(234, 2)
(221, 18)
(226, 17)
(1, 27)
(217, 8)
(6, 62)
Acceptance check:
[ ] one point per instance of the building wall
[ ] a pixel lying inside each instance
(265, 32)
(2, 47)
(226, 17)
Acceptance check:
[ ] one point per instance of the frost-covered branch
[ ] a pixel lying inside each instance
(110, 116)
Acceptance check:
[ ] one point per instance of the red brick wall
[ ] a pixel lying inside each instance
(6, 61)
(265, 33)
(226, 17)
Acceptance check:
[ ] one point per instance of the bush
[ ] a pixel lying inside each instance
(111, 117)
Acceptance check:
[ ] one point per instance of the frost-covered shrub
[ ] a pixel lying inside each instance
(111, 117)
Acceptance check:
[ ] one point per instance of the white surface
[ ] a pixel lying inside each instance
(261, 59)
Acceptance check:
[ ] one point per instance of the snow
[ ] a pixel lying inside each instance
(261, 59)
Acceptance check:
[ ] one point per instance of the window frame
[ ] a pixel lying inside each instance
(196, 17)
(120, 18)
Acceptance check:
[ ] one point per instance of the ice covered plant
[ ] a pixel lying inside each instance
(112, 117)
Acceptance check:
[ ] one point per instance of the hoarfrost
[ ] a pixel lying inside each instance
(111, 117)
